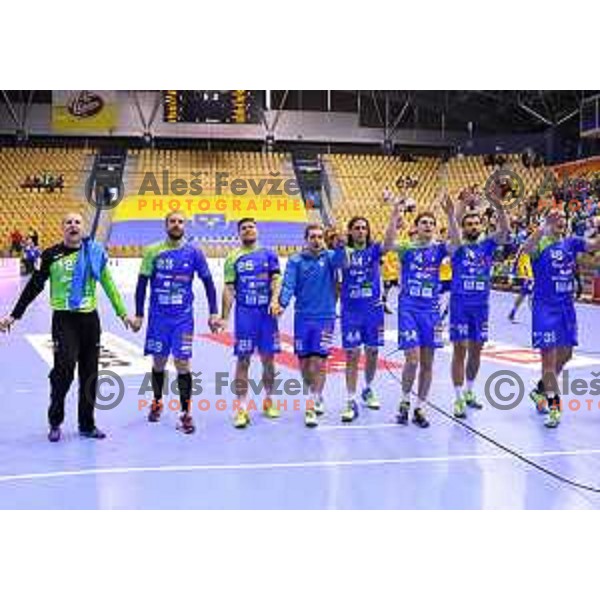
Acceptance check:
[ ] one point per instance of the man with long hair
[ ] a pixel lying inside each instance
(362, 312)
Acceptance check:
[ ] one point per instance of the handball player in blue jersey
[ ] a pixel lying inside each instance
(419, 323)
(362, 312)
(554, 320)
(524, 274)
(169, 266)
(253, 281)
(472, 257)
(310, 277)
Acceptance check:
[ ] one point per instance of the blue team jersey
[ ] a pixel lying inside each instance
(32, 253)
(472, 269)
(579, 228)
(361, 278)
(171, 270)
(420, 266)
(311, 278)
(250, 270)
(554, 262)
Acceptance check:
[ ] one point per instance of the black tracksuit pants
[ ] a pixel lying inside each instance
(76, 338)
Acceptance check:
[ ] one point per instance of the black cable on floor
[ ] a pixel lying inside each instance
(500, 445)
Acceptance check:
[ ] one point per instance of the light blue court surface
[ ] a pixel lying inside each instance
(369, 464)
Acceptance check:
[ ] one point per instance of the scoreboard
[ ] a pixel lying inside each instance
(212, 106)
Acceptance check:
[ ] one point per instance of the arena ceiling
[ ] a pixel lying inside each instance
(489, 111)
(493, 111)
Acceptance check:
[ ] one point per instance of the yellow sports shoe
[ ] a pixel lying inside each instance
(270, 410)
(241, 419)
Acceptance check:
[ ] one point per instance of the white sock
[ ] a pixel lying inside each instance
(458, 391)
(470, 385)
(351, 397)
(406, 397)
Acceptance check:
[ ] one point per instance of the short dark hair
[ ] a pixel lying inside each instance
(469, 215)
(310, 227)
(245, 220)
(423, 214)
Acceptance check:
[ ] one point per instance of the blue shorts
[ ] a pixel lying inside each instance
(419, 328)
(170, 335)
(255, 329)
(313, 336)
(364, 327)
(553, 325)
(526, 287)
(468, 322)
(445, 286)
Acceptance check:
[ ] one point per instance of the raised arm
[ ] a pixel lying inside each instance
(453, 230)
(462, 202)
(391, 233)
(502, 234)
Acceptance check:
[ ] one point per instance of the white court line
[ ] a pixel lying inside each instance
(204, 384)
(288, 465)
(349, 427)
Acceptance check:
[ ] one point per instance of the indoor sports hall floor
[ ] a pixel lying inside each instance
(371, 463)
